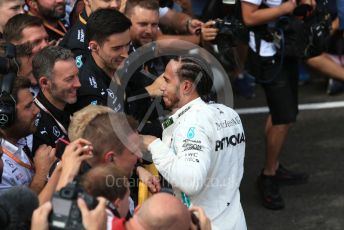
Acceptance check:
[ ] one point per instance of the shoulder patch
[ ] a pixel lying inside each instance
(78, 61)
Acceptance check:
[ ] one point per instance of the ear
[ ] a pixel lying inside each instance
(116, 203)
(188, 87)
(32, 4)
(43, 82)
(94, 47)
(109, 157)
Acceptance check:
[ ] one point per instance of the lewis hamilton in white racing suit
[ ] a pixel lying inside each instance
(202, 150)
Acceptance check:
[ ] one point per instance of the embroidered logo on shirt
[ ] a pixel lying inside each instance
(81, 35)
(93, 82)
(56, 131)
(191, 133)
(78, 61)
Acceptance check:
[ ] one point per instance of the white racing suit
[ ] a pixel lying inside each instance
(202, 155)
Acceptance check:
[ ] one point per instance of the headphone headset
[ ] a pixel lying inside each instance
(7, 102)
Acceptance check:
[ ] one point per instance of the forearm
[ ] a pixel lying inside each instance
(38, 182)
(49, 189)
(327, 66)
(253, 16)
(195, 39)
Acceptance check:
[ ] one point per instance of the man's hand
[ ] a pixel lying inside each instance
(40, 217)
(96, 218)
(209, 32)
(44, 158)
(288, 6)
(75, 153)
(147, 140)
(193, 25)
(148, 179)
(154, 88)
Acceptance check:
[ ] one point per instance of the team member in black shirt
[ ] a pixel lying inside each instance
(75, 38)
(57, 75)
(108, 34)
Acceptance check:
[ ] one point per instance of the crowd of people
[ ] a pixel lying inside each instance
(74, 142)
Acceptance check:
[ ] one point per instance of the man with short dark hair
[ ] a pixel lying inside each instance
(26, 29)
(18, 168)
(75, 39)
(51, 12)
(108, 34)
(56, 72)
(110, 182)
(202, 150)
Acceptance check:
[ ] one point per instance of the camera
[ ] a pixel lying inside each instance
(66, 213)
(7, 63)
(231, 31)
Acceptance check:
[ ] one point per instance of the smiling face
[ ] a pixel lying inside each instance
(112, 52)
(144, 27)
(64, 83)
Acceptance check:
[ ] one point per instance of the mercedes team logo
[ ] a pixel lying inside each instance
(3, 119)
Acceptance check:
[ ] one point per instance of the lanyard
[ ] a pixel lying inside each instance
(50, 27)
(41, 106)
(82, 20)
(18, 161)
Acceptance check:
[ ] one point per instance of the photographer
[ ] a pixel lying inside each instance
(28, 30)
(280, 83)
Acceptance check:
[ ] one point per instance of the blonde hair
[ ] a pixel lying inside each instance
(83, 117)
(105, 129)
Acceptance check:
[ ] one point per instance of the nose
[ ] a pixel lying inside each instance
(162, 87)
(149, 29)
(124, 51)
(43, 44)
(76, 83)
(60, 1)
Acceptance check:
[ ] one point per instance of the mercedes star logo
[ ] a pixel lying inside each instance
(3, 119)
